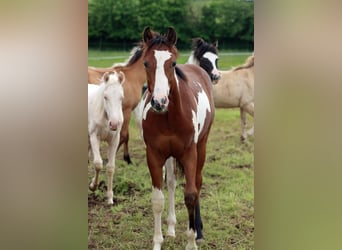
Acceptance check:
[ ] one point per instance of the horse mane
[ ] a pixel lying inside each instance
(248, 64)
(98, 102)
(135, 55)
(199, 46)
(180, 73)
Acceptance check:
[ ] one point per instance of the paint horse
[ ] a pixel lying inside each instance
(177, 114)
(135, 78)
(235, 89)
(205, 55)
(105, 120)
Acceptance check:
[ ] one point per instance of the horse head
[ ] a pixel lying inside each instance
(113, 95)
(205, 56)
(160, 62)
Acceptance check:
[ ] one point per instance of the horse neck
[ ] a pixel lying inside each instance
(176, 104)
(135, 73)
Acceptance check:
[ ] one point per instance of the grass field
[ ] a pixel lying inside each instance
(107, 58)
(227, 195)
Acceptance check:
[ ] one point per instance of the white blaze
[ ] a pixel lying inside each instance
(161, 82)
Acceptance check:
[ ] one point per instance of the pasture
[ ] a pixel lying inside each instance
(227, 196)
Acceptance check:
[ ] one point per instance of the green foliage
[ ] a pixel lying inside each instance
(124, 20)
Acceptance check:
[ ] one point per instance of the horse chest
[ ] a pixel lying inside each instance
(175, 134)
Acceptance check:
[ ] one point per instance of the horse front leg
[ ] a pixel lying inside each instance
(95, 146)
(155, 165)
(189, 162)
(171, 187)
(113, 146)
(124, 135)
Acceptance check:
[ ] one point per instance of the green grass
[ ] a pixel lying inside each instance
(107, 58)
(227, 195)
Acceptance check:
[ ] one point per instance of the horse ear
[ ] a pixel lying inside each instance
(215, 44)
(105, 76)
(171, 36)
(147, 34)
(196, 42)
(122, 77)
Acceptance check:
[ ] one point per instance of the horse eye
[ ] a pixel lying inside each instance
(146, 64)
(173, 64)
(106, 98)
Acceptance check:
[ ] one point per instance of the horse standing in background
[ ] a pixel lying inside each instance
(177, 114)
(135, 79)
(205, 55)
(235, 89)
(105, 119)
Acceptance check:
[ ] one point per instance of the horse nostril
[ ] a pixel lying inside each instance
(163, 101)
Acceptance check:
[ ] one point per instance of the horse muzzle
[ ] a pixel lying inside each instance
(215, 77)
(160, 105)
(114, 125)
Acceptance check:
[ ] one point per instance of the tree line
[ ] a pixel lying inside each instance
(115, 22)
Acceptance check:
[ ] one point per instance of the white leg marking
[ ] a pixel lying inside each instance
(171, 187)
(191, 235)
(157, 207)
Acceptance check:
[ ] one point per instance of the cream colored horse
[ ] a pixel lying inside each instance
(235, 89)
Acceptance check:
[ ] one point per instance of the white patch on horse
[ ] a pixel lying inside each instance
(212, 58)
(198, 118)
(146, 108)
(161, 81)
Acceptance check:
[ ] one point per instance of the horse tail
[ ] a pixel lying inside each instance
(249, 63)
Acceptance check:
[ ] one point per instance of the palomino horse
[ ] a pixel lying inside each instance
(236, 89)
(177, 114)
(105, 119)
(135, 79)
(205, 55)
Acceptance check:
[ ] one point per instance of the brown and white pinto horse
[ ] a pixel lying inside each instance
(135, 79)
(177, 114)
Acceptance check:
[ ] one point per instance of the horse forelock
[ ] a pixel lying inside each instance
(202, 48)
(160, 40)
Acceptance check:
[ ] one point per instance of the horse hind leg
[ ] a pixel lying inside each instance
(243, 124)
(171, 186)
(250, 110)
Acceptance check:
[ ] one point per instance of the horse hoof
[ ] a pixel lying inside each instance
(199, 241)
(243, 139)
(92, 187)
(127, 159)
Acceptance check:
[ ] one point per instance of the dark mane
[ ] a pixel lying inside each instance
(136, 54)
(180, 73)
(199, 46)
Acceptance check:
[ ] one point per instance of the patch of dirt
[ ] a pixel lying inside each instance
(242, 166)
